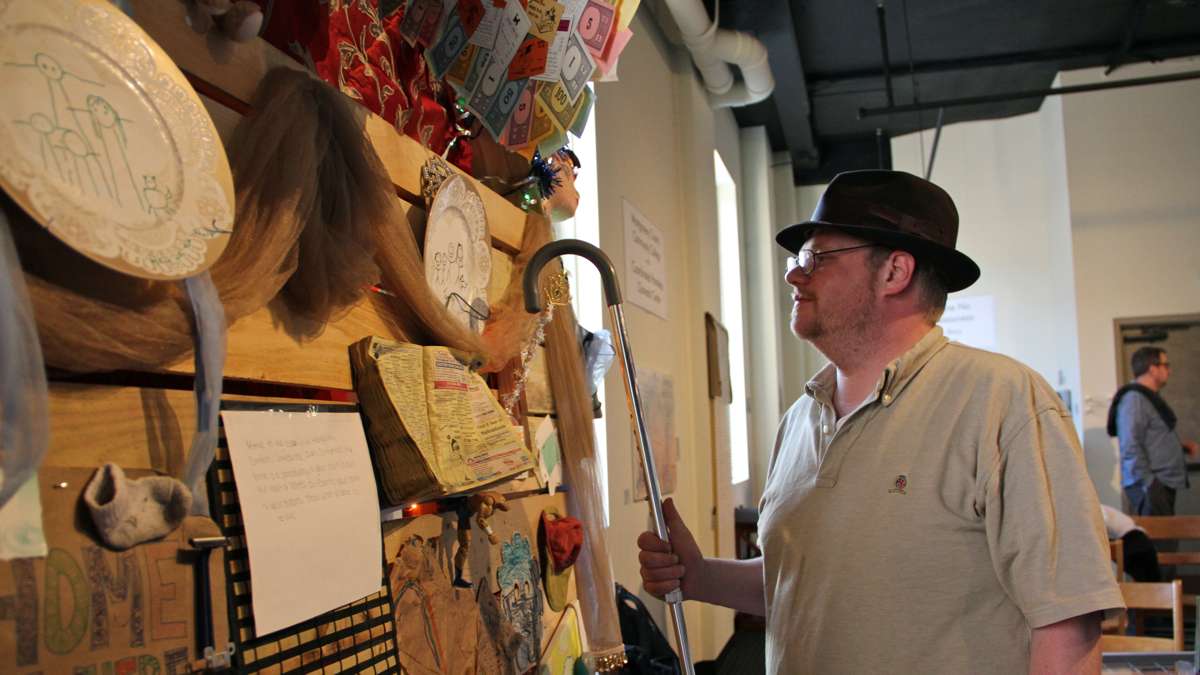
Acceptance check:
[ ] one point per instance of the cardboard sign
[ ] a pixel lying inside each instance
(86, 609)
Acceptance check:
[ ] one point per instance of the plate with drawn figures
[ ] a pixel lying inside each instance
(106, 144)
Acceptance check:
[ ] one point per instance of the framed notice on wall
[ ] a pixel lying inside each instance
(645, 262)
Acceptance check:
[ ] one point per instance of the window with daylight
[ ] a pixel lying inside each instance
(730, 262)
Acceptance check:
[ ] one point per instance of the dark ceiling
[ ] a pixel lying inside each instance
(827, 58)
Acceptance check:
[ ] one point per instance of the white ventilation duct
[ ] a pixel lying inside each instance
(714, 49)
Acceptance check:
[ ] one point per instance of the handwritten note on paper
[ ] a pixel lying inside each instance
(310, 509)
(645, 262)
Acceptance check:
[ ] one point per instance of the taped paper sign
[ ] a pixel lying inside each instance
(309, 505)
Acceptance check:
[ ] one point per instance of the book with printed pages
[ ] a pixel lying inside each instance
(433, 426)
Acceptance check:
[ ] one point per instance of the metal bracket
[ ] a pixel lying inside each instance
(214, 659)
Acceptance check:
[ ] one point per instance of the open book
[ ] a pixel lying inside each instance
(433, 426)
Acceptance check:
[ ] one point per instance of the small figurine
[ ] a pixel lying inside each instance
(483, 505)
(563, 199)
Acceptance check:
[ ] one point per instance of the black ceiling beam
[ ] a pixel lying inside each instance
(1137, 12)
(1034, 93)
(1146, 51)
(881, 13)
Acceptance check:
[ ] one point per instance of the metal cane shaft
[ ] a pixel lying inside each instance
(650, 471)
(612, 297)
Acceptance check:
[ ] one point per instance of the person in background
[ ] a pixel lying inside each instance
(1140, 557)
(1153, 458)
(927, 508)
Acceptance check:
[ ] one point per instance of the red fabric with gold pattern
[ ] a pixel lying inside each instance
(355, 47)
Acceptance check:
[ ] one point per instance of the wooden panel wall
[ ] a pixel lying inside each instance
(148, 425)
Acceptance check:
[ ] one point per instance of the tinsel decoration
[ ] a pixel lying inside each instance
(558, 292)
(544, 174)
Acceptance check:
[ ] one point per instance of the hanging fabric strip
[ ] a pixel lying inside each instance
(23, 419)
(209, 317)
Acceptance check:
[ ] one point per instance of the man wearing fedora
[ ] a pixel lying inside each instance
(927, 508)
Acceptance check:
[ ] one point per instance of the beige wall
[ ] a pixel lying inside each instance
(655, 137)
(1133, 158)
(1080, 213)
(1008, 178)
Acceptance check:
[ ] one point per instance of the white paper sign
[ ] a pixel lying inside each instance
(645, 262)
(310, 510)
(21, 534)
(971, 321)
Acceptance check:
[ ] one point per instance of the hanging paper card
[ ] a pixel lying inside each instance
(448, 47)
(542, 125)
(485, 33)
(596, 25)
(558, 104)
(490, 76)
(583, 111)
(625, 11)
(577, 67)
(502, 107)
(475, 70)
(430, 22)
(105, 142)
(457, 75)
(606, 65)
(513, 27)
(415, 17)
(521, 124)
(544, 16)
(470, 13)
(530, 59)
(550, 144)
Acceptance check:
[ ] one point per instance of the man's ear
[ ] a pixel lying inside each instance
(898, 273)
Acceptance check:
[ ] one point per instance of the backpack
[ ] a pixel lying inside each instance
(646, 647)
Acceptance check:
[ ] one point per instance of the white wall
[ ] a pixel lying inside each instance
(1009, 180)
(1133, 159)
(655, 141)
(763, 288)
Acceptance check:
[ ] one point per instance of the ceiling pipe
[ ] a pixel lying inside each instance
(713, 49)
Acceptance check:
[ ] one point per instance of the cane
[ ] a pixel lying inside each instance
(612, 295)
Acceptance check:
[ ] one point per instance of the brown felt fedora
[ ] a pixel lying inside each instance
(895, 209)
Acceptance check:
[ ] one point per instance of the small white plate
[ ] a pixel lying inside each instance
(458, 252)
(105, 143)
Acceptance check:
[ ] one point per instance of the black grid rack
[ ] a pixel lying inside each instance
(355, 638)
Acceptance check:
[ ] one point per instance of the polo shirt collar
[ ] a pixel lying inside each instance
(895, 377)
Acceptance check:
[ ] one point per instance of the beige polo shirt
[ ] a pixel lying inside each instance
(933, 527)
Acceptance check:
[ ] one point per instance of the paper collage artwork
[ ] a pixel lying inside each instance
(507, 60)
(495, 623)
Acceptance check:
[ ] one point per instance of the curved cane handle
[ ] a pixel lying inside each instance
(608, 277)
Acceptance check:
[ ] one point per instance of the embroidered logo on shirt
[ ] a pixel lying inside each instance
(899, 485)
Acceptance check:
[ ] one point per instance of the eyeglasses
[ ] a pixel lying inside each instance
(806, 259)
(1164, 364)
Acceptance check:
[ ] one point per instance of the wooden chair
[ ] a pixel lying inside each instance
(1167, 595)
(1116, 551)
(1172, 528)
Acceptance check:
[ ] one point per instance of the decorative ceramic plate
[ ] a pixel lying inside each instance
(458, 252)
(103, 141)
